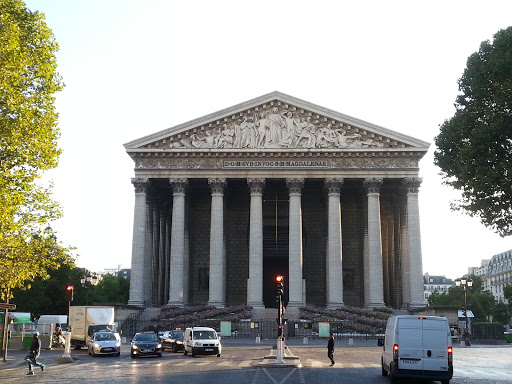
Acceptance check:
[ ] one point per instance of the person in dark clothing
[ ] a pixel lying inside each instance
(34, 351)
(330, 349)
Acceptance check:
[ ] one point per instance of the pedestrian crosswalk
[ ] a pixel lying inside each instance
(309, 363)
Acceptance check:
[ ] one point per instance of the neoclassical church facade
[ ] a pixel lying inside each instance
(276, 185)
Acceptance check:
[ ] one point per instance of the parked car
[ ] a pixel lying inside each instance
(146, 344)
(201, 341)
(104, 343)
(173, 340)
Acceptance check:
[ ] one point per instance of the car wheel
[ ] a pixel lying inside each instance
(218, 354)
(118, 354)
(185, 351)
(384, 372)
(192, 353)
(174, 348)
(132, 355)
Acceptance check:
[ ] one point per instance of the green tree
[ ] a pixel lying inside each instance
(28, 147)
(48, 296)
(501, 313)
(474, 147)
(111, 289)
(480, 302)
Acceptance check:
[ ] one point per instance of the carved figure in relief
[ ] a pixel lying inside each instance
(248, 133)
(307, 132)
(342, 138)
(225, 137)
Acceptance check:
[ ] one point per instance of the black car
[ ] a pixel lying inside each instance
(146, 344)
(174, 341)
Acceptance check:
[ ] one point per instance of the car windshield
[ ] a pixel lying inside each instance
(177, 335)
(203, 335)
(145, 337)
(105, 337)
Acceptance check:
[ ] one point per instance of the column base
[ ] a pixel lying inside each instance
(258, 305)
(136, 303)
(217, 304)
(335, 305)
(376, 305)
(176, 303)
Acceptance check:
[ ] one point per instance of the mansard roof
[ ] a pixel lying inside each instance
(276, 122)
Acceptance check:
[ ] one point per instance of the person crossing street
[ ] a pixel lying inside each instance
(34, 351)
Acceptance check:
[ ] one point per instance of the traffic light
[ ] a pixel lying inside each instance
(69, 294)
(279, 287)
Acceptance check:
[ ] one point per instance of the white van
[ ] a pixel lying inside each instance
(418, 347)
(201, 341)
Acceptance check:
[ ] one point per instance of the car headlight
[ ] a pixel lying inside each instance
(179, 342)
(159, 346)
(197, 344)
(118, 344)
(96, 345)
(134, 347)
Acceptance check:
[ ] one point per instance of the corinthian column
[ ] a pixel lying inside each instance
(295, 292)
(177, 267)
(415, 281)
(255, 281)
(334, 250)
(138, 243)
(374, 273)
(217, 261)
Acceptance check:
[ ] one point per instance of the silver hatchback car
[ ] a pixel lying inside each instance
(104, 343)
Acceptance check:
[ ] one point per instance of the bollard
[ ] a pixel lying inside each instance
(305, 340)
(66, 356)
(258, 339)
(350, 341)
(279, 351)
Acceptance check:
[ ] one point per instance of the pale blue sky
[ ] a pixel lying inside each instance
(133, 68)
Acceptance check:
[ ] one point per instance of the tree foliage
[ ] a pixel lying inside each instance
(474, 147)
(480, 302)
(28, 146)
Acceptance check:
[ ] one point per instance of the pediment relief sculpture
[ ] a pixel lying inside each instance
(278, 127)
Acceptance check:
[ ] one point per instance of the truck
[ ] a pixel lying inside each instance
(84, 321)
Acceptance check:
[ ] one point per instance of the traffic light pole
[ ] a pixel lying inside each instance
(280, 338)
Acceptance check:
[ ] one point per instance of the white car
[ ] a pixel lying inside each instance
(201, 341)
(104, 343)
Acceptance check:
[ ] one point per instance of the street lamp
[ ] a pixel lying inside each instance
(465, 284)
(91, 279)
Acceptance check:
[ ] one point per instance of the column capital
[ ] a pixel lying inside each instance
(141, 184)
(333, 185)
(256, 185)
(412, 185)
(373, 185)
(295, 185)
(178, 185)
(217, 185)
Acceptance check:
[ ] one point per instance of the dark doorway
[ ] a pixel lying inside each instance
(275, 239)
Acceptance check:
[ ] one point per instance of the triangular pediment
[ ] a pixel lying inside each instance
(276, 122)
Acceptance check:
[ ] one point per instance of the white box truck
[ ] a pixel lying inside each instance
(418, 347)
(86, 320)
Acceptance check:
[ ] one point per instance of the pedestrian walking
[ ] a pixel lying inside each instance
(330, 349)
(34, 351)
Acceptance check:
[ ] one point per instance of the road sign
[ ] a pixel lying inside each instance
(10, 307)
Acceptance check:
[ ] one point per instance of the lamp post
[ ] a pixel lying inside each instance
(91, 279)
(465, 284)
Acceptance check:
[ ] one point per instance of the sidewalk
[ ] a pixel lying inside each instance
(16, 358)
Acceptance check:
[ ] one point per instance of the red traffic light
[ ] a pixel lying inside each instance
(279, 279)
(69, 288)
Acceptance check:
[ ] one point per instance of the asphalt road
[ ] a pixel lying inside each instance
(241, 362)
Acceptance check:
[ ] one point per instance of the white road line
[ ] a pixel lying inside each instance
(245, 363)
